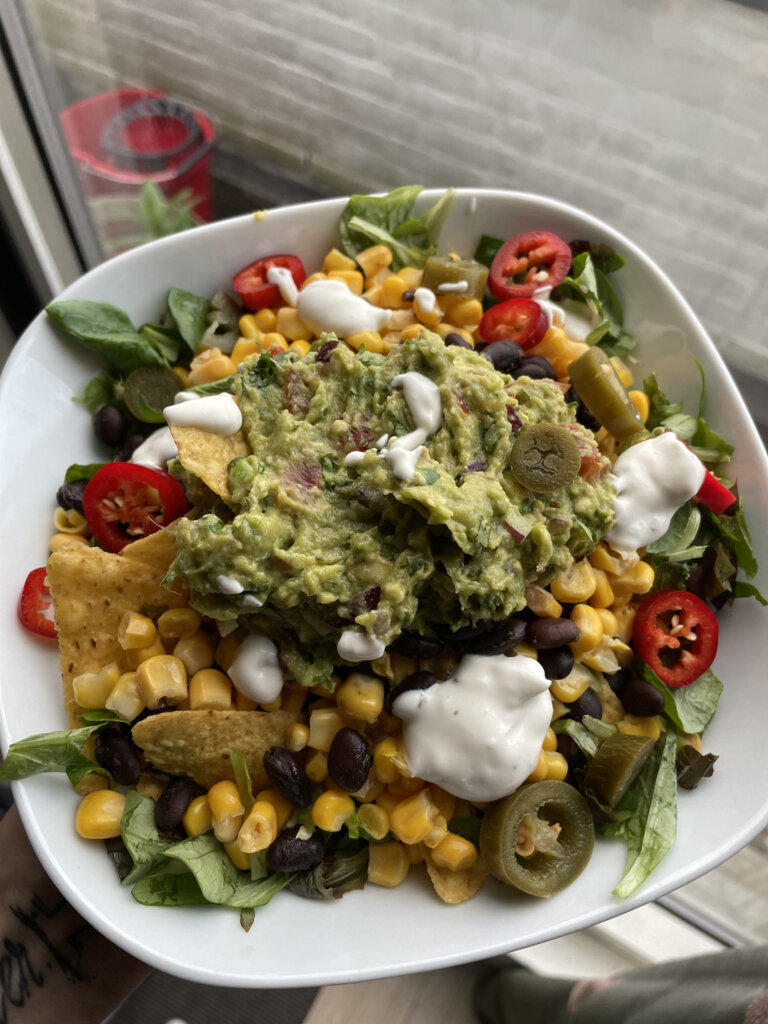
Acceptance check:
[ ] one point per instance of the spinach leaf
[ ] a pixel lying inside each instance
(648, 816)
(711, 448)
(58, 751)
(218, 878)
(681, 533)
(179, 890)
(388, 220)
(164, 339)
(665, 414)
(189, 314)
(108, 331)
(141, 838)
(588, 285)
(78, 471)
(487, 248)
(100, 391)
(605, 259)
(691, 707)
(467, 828)
(213, 387)
(742, 589)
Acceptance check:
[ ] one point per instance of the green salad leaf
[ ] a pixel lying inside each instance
(588, 285)
(188, 313)
(389, 220)
(218, 878)
(107, 331)
(691, 708)
(139, 833)
(647, 816)
(58, 751)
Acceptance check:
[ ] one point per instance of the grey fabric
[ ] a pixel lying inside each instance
(713, 989)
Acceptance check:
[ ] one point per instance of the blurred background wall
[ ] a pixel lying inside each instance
(650, 115)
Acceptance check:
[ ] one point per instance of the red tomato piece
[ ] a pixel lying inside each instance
(253, 287)
(676, 634)
(520, 320)
(715, 495)
(525, 263)
(124, 502)
(35, 606)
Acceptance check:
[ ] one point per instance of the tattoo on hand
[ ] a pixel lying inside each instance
(18, 974)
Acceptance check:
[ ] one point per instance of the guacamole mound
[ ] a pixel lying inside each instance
(310, 546)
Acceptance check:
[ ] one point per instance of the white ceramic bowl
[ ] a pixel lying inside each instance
(376, 932)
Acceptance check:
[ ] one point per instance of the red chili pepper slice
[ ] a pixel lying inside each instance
(528, 262)
(251, 284)
(715, 495)
(123, 502)
(676, 634)
(520, 320)
(35, 607)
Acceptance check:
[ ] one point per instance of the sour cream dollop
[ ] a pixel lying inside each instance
(157, 450)
(354, 645)
(283, 278)
(255, 669)
(653, 479)
(479, 733)
(220, 414)
(422, 396)
(328, 305)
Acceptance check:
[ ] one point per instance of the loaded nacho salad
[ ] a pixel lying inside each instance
(390, 564)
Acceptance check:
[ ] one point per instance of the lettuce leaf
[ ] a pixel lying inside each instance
(691, 708)
(588, 285)
(58, 751)
(647, 816)
(389, 220)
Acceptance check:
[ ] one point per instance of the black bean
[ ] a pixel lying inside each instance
(571, 751)
(408, 295)
(71, 495)
(506, 356)
(536, 367)
(349, 759)
(110, 425)
(415, 681)
(544, 633)
(587, 704)
(130, 444)
(170, 807)
(412, 645)
(583, 415)
(121, 757)
(502, 636)
(557, 662)
(641, 698)
(618, 680)
(290, 853)
(286, 773)
(475, 466)
(456, 339)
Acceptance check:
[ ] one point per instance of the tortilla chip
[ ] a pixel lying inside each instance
(197, 743)
(92, 589)
(157, 550)
(456, 886)
(207, 455)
